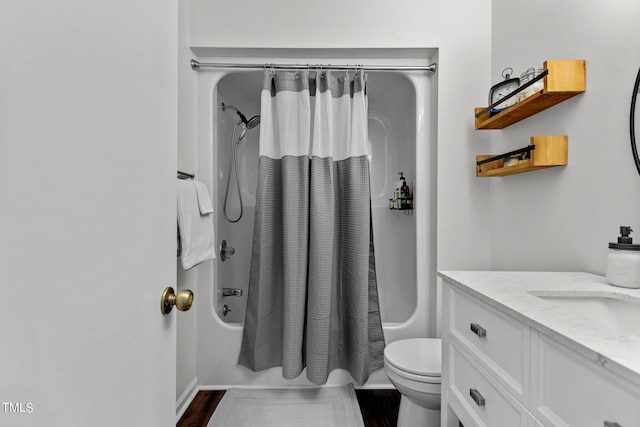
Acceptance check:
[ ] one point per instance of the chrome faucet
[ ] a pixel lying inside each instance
(231, 292)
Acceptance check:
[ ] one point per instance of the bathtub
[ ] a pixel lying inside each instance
(401, 140)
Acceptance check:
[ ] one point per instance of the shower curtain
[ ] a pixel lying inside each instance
(312, 297)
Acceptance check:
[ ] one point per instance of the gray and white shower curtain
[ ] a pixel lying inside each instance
(312, 298)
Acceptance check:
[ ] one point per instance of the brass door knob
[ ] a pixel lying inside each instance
(182, 300)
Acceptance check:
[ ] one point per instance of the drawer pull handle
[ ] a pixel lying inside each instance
(611, 424)
(476, 396)
(478, 330)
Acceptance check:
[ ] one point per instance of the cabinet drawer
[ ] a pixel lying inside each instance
(499, 343)
(479, 394)
(574, 391)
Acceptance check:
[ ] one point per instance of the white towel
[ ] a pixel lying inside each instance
(196, 230)
(204, 202)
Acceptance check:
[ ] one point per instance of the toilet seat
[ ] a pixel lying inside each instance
(419, 359)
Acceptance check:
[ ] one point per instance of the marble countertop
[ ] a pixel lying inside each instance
(514, 293)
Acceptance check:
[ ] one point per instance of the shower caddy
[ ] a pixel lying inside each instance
(563, 79)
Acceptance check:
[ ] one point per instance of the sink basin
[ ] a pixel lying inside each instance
(619, 314)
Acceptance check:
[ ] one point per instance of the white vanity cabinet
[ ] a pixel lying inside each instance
(498, 370)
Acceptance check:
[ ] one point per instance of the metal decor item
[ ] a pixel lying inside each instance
(503, 89)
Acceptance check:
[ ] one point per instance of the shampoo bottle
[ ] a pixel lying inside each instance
(404, 190)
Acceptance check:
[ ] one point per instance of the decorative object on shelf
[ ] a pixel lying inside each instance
(544, 152)
(502, 90)
(562, 79)
(528, 76)
(515, 159)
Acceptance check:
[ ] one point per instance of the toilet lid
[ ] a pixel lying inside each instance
(420, 356)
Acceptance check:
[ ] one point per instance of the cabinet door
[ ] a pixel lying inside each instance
(572, 390)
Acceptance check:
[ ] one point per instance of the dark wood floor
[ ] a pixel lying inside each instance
(379, 408)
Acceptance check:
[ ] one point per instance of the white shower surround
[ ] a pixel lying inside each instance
(403, 316)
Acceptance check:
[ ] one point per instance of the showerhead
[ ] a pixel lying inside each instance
(253, 122)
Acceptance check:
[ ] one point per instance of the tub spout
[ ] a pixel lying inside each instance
(231, 292)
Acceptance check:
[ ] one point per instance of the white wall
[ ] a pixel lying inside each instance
(563, 218)
(461, 32)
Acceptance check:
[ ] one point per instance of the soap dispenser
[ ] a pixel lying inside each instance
(623, 261)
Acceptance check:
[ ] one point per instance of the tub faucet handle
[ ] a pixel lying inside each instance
(226, 251)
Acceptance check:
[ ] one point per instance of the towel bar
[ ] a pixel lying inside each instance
(184, 175)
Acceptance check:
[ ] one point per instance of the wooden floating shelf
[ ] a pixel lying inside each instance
(566, 79)
(549, 151)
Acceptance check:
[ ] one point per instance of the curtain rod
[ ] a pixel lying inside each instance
(195, 65)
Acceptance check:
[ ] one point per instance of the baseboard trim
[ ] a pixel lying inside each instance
(186, 398)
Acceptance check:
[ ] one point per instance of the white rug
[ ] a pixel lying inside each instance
(308, 407)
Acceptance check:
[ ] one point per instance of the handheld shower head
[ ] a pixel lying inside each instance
(243, 133)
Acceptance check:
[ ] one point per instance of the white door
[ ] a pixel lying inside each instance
(87, 212)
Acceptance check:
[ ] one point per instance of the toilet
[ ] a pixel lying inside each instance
(414, 368)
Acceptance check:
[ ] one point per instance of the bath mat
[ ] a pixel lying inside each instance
(308, 407)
